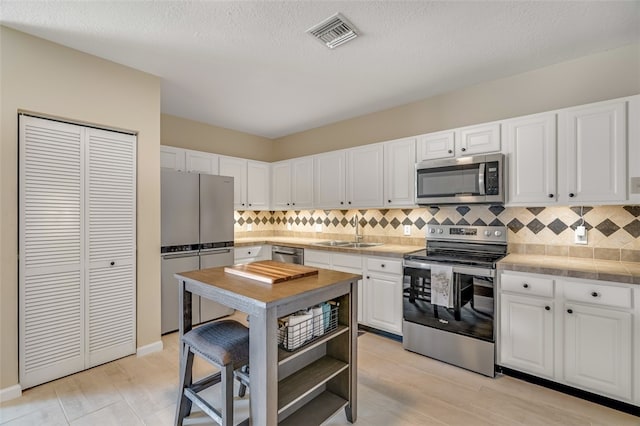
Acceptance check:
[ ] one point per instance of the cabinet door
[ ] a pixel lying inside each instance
(592, 147)
(365, 176)
(436, 145)
(202, 162)
(302, 183)
(597, 349)
(236, 168)
(384, 302)
(526, 334)
(281, 185)
(329, 180)
(172, 158)
(257, 185)
(399, 173)
(531, 146)
(111, 246)
(478, 139)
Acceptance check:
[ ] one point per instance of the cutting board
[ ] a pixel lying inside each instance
(271, 272)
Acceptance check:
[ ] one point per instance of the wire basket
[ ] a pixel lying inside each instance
(301, 329)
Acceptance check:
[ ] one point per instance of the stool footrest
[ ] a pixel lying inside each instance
(204, 405)
(206, 382)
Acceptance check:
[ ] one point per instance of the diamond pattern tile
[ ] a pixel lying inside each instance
(515, 225)
(496, 210)
(241, 221)
(463, 210)
(607, 227)
(395, 223)
(448, 221)
(420, 223)
(462, 222)
(433, 221)
(344, 222)
(585, 209)
(557, 226)
(407, 221)
(479, 222)
(335, 221)
(633, 228)
(383, 222)
(496, 222)
(326, 221)
(304, 221)
(297, 221)
(579, 222)
(535, 210)
(535, 226)
(383, 211)
(373, 222)
(634, 210)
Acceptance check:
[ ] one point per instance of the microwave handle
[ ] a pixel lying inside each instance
(481, 178)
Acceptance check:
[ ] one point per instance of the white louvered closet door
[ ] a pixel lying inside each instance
(51, 255)
(77, 240)
(111, 245)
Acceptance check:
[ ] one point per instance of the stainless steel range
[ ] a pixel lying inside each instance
(448, 295)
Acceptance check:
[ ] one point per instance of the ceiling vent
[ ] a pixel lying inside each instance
(334, 31)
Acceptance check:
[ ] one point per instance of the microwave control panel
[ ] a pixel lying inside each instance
(492, 178)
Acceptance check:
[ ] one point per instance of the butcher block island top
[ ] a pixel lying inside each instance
(316, 380)
(270, 271)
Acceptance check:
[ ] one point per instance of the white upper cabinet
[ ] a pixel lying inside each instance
(257, 185)
(201, 162)
(172, 158)
(478, 139)
(433, 146)
(364, 176)
(329, 180)
(399, 172)
(591, 155)
(531, 158)
(302, 183)
(281, 185)
(236, 168)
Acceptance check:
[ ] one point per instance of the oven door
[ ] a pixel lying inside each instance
(473, 294)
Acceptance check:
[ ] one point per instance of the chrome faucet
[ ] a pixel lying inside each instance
(356, 223)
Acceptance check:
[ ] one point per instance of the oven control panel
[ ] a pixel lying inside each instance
(496, 234)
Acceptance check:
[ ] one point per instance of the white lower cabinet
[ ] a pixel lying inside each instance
(248, 254)
(526, 330)
(581, 335)
(380, 290)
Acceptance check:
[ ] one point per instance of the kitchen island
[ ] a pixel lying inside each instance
(314, 381)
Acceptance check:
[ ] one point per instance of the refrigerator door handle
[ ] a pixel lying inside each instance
(180, 254)
(215, 251)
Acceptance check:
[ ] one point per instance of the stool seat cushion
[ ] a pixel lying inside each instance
(221, 342)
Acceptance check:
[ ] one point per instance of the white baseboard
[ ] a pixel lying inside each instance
(12, 392)
(150, 348)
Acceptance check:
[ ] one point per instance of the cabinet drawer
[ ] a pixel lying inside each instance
(597, 294)
(380, 264)
(523, 284)
(347, 261)
(245, 252)
(317, 257)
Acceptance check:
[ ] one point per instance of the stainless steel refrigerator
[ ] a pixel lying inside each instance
(197, 233)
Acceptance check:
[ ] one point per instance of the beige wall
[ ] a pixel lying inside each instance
(183, 133)
(602, 76)
(46, 78)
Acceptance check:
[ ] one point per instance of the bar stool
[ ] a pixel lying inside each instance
(225, 344)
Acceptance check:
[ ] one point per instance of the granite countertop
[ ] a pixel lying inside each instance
(387, 250)
(593, 269)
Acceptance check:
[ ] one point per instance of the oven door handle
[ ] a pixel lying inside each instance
(457, 269)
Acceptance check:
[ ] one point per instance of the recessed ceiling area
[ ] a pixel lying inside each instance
(250, 65)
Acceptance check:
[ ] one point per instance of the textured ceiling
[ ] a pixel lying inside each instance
(250, 66)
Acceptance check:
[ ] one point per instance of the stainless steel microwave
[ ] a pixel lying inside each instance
(465, 180)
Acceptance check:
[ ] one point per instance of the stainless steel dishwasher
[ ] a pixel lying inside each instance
(287, 254)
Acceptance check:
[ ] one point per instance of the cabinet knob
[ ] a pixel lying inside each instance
(112, 263)
(571, 195)
(525, 285)
(367, 276)
(249, 204)
(595, 294)
(287, 203)
(550, 195)
(349, 202)
(382, 265)
(547, 308)
(294, 204)
(248, 252)
(388, 201)
(341, 202)
(451, 152)
(243, 204)
(569, 311)
(463, 149)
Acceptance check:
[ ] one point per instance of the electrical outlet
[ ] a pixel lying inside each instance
(318, 227)
(289, 227)
(249, 226)
(407, 229)
(580, 235)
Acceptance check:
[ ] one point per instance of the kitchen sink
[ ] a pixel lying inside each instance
(345, 244)
(333, 243)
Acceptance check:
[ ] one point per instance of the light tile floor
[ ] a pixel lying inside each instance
(395, 387)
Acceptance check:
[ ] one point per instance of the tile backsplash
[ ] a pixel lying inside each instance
(613, 231)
